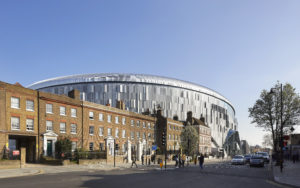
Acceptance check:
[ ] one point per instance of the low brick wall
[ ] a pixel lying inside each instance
(7, 164)
(119, 159)
(91, 161)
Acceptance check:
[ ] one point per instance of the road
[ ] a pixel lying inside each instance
(213, 175)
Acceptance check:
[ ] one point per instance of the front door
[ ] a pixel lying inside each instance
(49, 147)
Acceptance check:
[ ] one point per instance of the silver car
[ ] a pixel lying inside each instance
(238, 159)
(257, 160)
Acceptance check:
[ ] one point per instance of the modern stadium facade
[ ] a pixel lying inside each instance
(142, 92)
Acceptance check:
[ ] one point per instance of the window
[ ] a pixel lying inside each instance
(123, 121)
(49, 108)
(137, 123)
(62, 127)
(29, 105)
(15, 123)
(149, 135)
(144, 135)
(74, 146)
(137, 135)
(170, 127)
(117, 132)
(49, 126)
(73, 112)
(91, 115)
(91, 130)
(149, 125)
(117, 119)
(15, 102)
(169, 137)
(73, 128)
(100, 117)
(144, 125)
(109, 132)
(132, 134)
(101, 146)
(132, 122)
(101, 130)
(123, 133)
(62, 110)
(108, 118)
(91, 146)
(29, 125)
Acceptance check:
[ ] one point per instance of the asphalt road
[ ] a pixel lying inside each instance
(213, 175)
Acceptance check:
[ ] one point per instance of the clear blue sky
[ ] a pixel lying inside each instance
(236, 47)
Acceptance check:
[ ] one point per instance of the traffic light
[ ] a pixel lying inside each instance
(163, 138)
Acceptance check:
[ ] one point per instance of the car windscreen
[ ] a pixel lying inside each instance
(256, 157)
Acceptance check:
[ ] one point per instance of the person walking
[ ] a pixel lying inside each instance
(183, 160)
(134, 161)
(143, 159)
(201, 161)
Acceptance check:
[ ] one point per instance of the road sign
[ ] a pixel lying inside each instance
(154, 147)
(16, 152)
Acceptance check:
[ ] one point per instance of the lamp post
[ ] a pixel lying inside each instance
(281, 126)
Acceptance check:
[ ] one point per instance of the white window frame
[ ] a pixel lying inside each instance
(109, 131)
(117, 119)
(62, 110)
(117, 133)
(101, 131)
(101, 117)
(15, 102)
(138, 123)
(149, 125)
(132, 122)
(15, 123)
(91, 145)
(29, 126)
(73, 127)
(48, 126)
(48, 107)
(123, 121)
(132, 135)
(91, 127)
(144, 124)
(91, 115)
(62, 127)
(109, 118)
(29, 107)
(73, 112)
(123, 133)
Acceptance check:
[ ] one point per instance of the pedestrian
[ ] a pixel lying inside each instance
(143, 159)
(183, 159)
(176, 161)
(201, 161)
(195, 160)
(134, 161)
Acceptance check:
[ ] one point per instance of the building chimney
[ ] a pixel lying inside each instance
(74, 94)
(120, 105)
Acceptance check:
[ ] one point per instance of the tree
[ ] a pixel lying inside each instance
(190, 138)
(266, 112)
(267, 140)
(63, 147)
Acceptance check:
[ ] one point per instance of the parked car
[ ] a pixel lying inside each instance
(247, 158)
(257, 160)
(238, 159)
(265, 156)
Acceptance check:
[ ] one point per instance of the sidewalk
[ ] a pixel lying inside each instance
(35, 169)
(290, 174)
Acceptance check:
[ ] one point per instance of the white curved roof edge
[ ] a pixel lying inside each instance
(120, 77)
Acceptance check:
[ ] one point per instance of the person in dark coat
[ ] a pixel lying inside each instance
(201, 161)
(134, 161)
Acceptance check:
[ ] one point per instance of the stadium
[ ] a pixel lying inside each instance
(141, 93)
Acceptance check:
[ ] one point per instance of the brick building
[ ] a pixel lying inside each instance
(36, 120)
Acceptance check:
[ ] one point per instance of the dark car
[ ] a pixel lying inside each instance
(257, 160)
(247, 158)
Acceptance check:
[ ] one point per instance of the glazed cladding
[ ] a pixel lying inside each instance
(139, 97)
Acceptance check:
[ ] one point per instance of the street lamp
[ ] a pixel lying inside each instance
(281, 125)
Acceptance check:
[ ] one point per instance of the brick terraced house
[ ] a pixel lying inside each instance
(35, 120)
